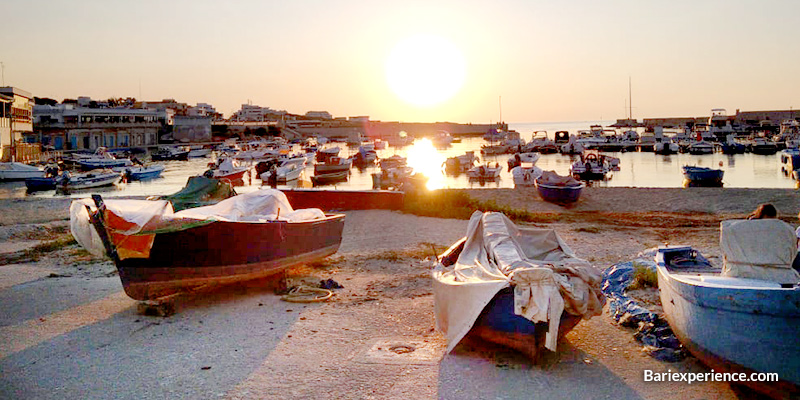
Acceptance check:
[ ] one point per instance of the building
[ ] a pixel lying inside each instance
(191, 129)
(253, 113)
(319, 115)
(67, 127)
(15, 120)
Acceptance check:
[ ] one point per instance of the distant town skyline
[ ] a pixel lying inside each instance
(416, 61)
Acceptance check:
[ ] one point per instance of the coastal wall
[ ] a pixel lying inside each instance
(378, 129)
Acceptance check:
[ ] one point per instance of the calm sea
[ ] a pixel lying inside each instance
(636, 169)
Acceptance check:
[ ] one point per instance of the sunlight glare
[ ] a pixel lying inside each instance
(425, 70)
(425, 159)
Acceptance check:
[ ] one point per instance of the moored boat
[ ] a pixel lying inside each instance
(329, 178)
(485, 171)
(87, 180)
(745, 316)
(11, 171)
(703, 176)
(159, 253)
(140, 173)
(170, 154)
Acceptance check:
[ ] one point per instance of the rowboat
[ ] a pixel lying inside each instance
(329, 178)
(745, 316)
(504, 285)
(703, 176)
(10, 171)
(558, 189)
(159, 253)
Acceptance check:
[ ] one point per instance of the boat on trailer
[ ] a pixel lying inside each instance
(160, 253)
(745, 316)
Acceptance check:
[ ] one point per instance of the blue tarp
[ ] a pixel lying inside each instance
(651, 329)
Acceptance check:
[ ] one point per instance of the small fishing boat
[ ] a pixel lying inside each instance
(199, 151)
(486, 171)
(520, 158)
(159, 253)
(745, 316)
(442, 139)
(495, 285)
(101, 158)
(15, 171)
(227, 169)
(140, 173)
(67, 182)
(288, 170)
(330, 178)
(41, 183)
(459, 164)
(558, 189)
(763, 146)
(525, 175)
(170, 154)
(591, 166)
(333, 164)
(703, 176)
(701, 147)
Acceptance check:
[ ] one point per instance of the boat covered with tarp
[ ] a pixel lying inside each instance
(742, 317)
(200, 191)
(159, 252)
(523, 288)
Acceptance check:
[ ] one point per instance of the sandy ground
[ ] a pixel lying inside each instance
(340, 349)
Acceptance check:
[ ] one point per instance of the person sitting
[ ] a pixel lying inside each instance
(763, 211)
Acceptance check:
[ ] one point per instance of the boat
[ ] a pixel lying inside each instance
(15, 171)
(763, 146)
(225, 168)
(67, 182)
(366, 155)
(442, 139)
(198, 151)
(461, 163)
(541, 143)
(41, 183)
(495, 285)
(330, 178)
(288, 170)
(745, 316)
(485, 171)
(701, 147)
(101, 158)
(525, 175)
(333, 164)
(731, 146)
(572, 146)
(140, 173)
(160, 253)
(703, 176)
(324, 155)
(520, 158)
(790, 160)
(665, 146)
(591, 166)
(554, 188)
(170, 154)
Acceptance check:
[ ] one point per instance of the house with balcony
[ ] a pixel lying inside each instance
(71, 127)
(15, 122)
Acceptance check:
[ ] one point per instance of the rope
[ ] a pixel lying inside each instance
(307, 294)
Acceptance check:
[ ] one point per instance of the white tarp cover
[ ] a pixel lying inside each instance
(147, 216)
(759, 249)
(547, 277)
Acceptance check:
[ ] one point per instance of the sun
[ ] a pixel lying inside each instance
(425, 70)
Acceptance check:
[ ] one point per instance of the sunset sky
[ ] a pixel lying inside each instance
(531, 60)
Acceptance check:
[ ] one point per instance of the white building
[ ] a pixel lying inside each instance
(66, 127)
(253, 113)
(15, 118)
(319, 115)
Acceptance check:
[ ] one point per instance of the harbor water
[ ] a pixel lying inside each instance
(637, 169)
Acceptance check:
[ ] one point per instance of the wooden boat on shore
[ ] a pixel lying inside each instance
(514, 299)
(159, 253)
(703, 176)
(731, 318)
(558, 189)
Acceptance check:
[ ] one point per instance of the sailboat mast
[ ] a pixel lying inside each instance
(630, 99)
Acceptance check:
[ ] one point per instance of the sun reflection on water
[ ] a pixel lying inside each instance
(425, 159)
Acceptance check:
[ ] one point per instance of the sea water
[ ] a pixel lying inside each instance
(637, 169)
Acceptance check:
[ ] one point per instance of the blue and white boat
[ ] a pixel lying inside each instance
(67, 182)
(745, 316)
(101, 159)
(141, 173)
(703, 176)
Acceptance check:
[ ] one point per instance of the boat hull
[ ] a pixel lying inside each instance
(559, 194)
(703, 176)
(40, 183)
(737, 329)
(14, 171)
(226, 252)
(89, 181)
(499, 324)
